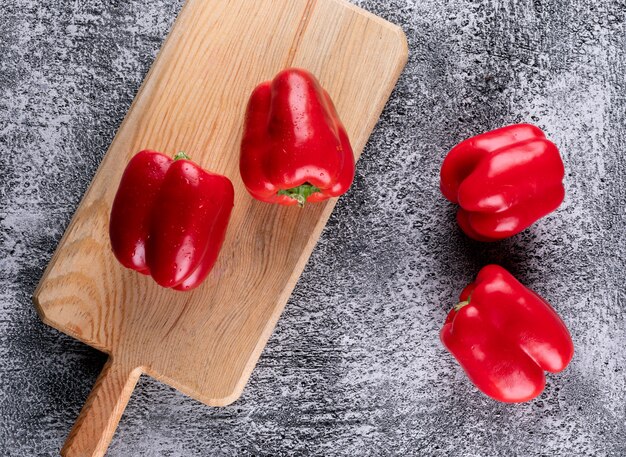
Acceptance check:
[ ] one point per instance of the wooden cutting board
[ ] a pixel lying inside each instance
(206, 342)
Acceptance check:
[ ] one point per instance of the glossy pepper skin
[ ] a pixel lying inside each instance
(294, 148)
(505, 336)
(503, 180)
(169, 219)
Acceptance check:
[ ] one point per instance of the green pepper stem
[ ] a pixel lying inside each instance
(182, 155)
(462, 304)
(300, 193)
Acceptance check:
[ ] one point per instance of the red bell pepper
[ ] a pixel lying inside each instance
(503, 180)
(505, 336)
(169, 219)
(294, 147)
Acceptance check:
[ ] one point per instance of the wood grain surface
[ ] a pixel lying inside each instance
(206, 342)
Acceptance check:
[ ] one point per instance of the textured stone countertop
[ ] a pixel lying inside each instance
(355, 366)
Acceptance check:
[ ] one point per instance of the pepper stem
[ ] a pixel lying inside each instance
(462, 304)
(182, 155)
(300, 193)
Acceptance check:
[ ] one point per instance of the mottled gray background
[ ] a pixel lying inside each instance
(355, 366)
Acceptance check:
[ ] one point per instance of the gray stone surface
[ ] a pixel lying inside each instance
(355, 366)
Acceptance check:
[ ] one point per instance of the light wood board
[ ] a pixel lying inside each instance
(206, 342)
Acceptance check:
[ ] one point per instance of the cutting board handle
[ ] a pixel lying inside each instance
(97, 421)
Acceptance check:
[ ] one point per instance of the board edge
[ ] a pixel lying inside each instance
(36, 296)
